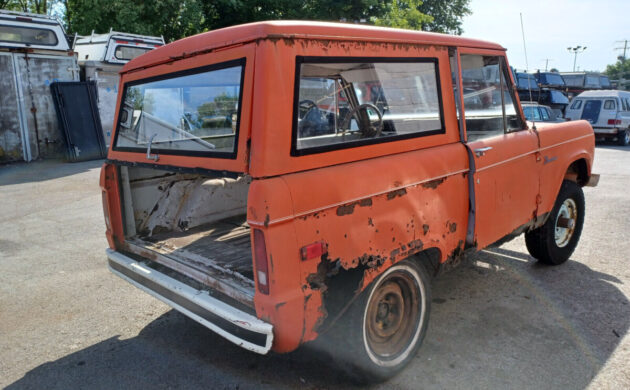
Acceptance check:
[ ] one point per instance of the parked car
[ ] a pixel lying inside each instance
(608, 111)
(544, 88)
(309, 220)
(538, 113)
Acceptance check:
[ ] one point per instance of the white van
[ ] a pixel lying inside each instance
(607, 110)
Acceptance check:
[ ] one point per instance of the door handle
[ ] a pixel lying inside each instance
(482, 151)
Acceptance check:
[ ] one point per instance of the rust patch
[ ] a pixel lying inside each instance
(370, 222)
(346, 209)
(279, 305)
(433, 184)
(266, 223)
(365, 202)
(396, 193)
(425, 229)
(452, 227)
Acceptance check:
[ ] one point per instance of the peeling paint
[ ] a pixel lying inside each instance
(433, 184)
(346, 209)
(396, 193)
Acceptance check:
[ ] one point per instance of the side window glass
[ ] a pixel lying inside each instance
(577, 104)
(342, 104)
(627, 104)
(610, 105)
(545, 114)
(623, 104)
(488, 97)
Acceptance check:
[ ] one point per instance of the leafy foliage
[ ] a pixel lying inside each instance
(177, 19)
(620, 71)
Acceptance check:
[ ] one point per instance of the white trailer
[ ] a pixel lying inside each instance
(101, 57)
(34, 52)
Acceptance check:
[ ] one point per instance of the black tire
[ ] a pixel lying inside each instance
(551, 243)
(623, 138)
(353, 343)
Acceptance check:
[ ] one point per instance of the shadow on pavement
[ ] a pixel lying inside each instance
(19, 173)
(501, 320)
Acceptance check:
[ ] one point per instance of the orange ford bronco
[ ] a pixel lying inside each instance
(278, 181)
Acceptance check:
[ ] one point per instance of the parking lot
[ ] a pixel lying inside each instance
(499, 321)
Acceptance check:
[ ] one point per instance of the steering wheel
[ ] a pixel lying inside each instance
(307, 105)
(366, 127)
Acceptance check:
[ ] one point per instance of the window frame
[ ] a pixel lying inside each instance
(242, 62)
(576, 104)
(31, 43)
(299, 60)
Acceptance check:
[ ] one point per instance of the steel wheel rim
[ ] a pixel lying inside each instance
(393, 317)
(627, 136)
(566, 221)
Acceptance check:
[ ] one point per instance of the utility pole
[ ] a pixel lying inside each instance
(547, 62)
(575, 50)
(624, 48)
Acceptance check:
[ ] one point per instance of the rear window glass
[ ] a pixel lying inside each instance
(592, 81)
(349, 102)
(195, 113)
(28, 35)
(610, 105)
(130, 52)
(604, 81)
(577, 104)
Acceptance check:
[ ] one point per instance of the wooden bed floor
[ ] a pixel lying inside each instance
(225, 244)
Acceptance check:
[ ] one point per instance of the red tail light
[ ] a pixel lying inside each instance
(614, 121)
(260, 258)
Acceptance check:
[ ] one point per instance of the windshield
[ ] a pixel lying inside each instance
(195, 113)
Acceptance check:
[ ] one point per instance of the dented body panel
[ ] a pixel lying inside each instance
(324, 225)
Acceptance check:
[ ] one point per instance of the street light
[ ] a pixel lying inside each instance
(576, 50)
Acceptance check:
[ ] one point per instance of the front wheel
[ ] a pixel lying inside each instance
(623, 138)
(554, 242)
(382, 331)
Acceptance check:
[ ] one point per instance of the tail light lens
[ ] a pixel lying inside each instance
(260, 259)
(614, 121)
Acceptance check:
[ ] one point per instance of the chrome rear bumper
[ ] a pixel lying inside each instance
(235, 325)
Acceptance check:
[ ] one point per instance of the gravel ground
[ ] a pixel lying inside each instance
(499, 321)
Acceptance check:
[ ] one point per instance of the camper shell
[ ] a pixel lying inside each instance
(276, 180)
(101, 57)
(34, 52)
(608, 111)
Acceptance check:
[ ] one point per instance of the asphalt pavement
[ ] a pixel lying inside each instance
(500, 320)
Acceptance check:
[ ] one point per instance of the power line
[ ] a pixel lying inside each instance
(624, 48)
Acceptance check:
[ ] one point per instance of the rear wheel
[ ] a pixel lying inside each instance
(382, 331)
(554, 242)
(623, 138)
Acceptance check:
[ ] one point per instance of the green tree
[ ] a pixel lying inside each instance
(447, 15)
(403, 14)
(620, 71)
(177, 19)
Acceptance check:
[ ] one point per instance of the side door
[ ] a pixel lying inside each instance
(504, 151)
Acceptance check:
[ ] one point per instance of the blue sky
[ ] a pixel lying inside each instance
(550, 27)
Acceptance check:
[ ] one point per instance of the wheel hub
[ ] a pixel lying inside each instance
(565, 223)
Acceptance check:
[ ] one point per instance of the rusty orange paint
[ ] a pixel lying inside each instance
(372, 205)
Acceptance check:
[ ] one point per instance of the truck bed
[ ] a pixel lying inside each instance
(217, 255)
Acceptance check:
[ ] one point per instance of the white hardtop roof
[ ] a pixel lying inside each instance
(104, 38)
(35, 18)
(604, 93)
